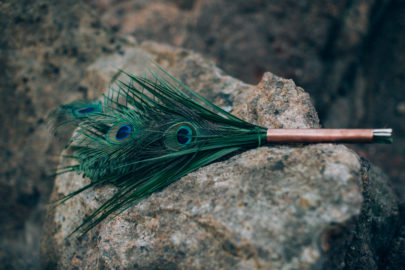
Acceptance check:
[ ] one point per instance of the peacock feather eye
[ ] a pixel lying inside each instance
(87, 110)
(180, 135)
(120, 133)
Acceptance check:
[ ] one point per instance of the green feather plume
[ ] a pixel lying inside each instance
(146, 134)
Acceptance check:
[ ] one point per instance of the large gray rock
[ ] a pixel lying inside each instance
(275, 207)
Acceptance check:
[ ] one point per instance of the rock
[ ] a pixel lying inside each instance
(275, 207)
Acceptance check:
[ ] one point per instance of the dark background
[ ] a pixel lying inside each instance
(349, 55)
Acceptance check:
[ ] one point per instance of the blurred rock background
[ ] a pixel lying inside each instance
(349, 55)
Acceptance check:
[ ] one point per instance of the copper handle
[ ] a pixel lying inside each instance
(312, 135)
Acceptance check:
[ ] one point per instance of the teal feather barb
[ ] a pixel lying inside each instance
(146, 134)
(149, 132)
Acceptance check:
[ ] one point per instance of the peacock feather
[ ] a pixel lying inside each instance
(149, 131)
(145, 134)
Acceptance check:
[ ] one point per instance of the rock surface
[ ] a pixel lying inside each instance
(275, 207)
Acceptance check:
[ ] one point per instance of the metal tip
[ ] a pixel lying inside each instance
(382, 135)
